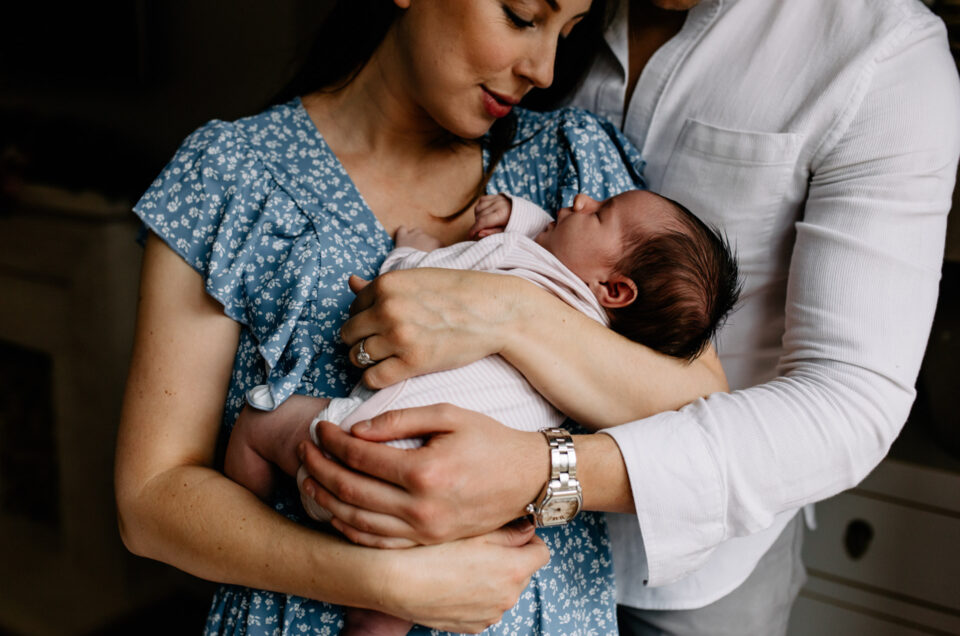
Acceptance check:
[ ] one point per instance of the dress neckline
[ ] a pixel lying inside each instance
(350, 188)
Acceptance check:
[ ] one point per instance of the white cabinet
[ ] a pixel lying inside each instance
(885, 558)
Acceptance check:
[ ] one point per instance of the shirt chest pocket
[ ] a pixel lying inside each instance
(735, 180)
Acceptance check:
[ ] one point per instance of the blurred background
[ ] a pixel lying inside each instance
(94, 99)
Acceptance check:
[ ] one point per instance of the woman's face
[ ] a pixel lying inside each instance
(467, 62)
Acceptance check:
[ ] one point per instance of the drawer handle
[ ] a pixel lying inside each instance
(857, 538)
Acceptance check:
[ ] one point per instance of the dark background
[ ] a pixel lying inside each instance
(94, 99)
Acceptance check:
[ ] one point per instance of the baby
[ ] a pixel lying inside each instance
(638, 261)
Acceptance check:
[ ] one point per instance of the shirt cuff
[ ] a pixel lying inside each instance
(526, 217)
(675, 481)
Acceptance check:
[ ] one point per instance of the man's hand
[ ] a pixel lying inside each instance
(472, 476)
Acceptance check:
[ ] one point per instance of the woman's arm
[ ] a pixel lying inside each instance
(175, 508)
(436, 319)
(428, 320)
(592, 374)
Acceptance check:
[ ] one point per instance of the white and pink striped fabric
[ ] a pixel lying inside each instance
(490, 386)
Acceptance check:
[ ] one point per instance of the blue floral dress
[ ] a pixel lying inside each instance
(265, 212)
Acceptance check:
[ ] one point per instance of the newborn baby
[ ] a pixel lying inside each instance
(637, 261)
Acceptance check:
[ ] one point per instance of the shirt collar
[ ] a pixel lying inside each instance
(617, 35)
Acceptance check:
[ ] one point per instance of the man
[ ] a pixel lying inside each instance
(822, 137)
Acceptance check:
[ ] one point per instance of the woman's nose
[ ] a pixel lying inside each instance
(537, 67)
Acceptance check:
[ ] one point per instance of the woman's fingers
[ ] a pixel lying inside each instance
(431, 319)
(365, 294)
(499, 572)
(514, 534)
(387, 372)
(377, 347)
(356, 283)
(370, 540)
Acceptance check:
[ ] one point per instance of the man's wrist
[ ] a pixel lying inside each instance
(536, 469)
(562, 499)
(603, 474)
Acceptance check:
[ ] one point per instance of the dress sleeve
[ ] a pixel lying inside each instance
(595, 158)
(860, 300)
(526, 217)
(218, 207)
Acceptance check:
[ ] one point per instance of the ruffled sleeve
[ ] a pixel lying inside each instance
(218, 206)
(558, 154)
(596, 159)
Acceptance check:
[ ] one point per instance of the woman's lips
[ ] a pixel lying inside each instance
(496, 105)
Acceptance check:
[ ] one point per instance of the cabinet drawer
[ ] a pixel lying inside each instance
(913, 553)
(816, 617)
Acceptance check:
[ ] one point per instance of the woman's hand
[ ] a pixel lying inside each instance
(424, 320)
(463, 586)
(472, 476)
(419, 321)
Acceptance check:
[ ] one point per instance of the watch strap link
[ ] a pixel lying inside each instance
(562, 495)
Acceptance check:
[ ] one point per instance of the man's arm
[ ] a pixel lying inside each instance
(860, 299)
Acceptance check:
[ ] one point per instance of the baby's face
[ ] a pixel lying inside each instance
(589, 237)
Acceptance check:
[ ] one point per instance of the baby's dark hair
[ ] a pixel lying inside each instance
(687, 282)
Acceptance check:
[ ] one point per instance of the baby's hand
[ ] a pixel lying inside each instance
(417, 239)
(492, 213)
(263, 441)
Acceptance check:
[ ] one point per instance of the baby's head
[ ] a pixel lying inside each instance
(666, 279)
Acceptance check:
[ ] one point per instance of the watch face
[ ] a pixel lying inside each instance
(559, 511)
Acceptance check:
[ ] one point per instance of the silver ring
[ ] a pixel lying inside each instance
(363, 358)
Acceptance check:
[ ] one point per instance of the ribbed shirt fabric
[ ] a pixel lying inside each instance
(822, 137)
(490, 385)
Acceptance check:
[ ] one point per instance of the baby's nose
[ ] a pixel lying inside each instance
(583, 203)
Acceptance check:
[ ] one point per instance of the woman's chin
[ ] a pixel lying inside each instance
(469, 127)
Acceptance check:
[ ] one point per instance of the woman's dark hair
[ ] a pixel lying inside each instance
(353, 29)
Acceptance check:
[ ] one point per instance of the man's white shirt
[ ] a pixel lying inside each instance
(822, 136)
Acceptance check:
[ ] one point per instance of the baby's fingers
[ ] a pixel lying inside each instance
(494, 220)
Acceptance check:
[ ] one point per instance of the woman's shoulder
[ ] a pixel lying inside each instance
(246, 137)
(218, 203)
(531, 123)
(584, 146)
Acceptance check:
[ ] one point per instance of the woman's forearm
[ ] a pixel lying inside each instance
(195, 519)
(594, 375)
(173, 506)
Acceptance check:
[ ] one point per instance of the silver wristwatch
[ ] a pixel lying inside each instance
(563, 497)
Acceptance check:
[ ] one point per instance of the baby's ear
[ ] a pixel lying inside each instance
(618, 291)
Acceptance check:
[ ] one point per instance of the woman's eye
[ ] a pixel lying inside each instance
(516, 20)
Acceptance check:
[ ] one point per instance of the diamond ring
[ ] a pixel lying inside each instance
(363, 358)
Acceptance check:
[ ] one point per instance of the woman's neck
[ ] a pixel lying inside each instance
(408, 169)
(375, 116)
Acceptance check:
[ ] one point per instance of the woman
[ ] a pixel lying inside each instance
(269, 211)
